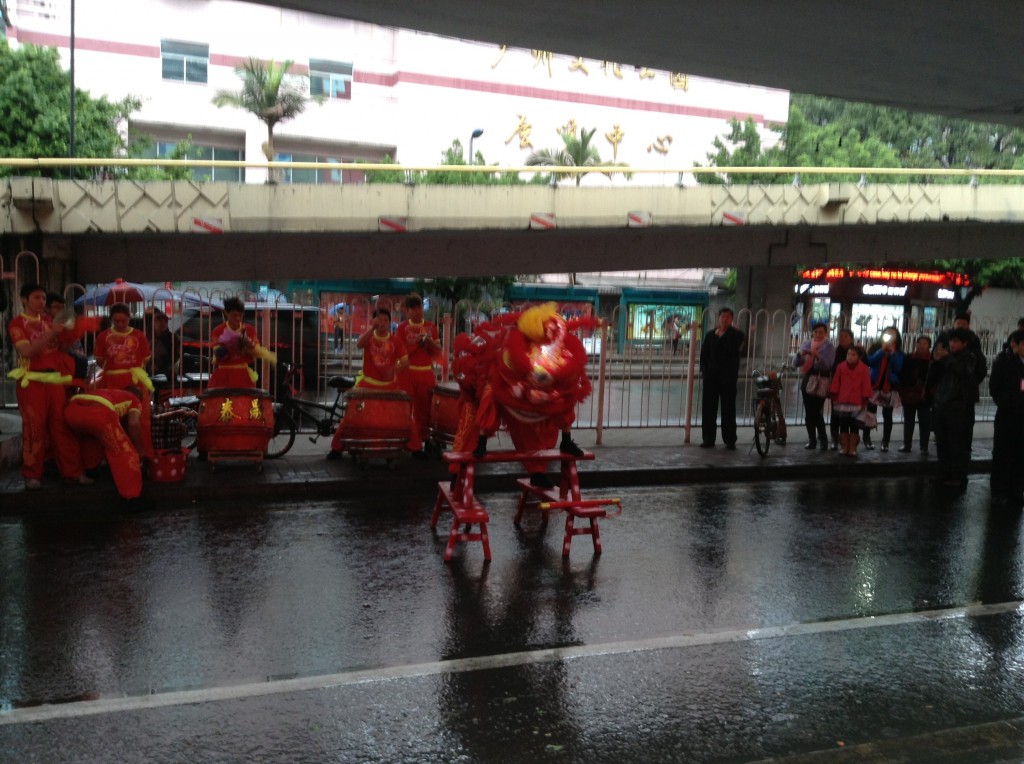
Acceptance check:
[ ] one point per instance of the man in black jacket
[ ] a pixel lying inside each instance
(954, 388)
(1007, 388)
(720, 367)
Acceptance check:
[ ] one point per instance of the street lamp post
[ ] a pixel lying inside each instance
(475, 134)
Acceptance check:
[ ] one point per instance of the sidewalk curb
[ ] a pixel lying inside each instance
(238, 484)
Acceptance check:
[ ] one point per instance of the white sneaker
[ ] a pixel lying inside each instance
(31, 484)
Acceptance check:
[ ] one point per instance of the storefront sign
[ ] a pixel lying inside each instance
(883, 290)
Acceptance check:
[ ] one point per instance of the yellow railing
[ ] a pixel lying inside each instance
(49, 162)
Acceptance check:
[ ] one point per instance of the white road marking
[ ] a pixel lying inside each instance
(484, 663)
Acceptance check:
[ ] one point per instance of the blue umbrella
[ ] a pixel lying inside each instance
(337, 308)
(127, 291)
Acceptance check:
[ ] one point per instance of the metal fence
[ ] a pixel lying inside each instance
(649, 384)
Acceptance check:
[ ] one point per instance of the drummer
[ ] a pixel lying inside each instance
(418, 378)
(384, 356)
(122, 353)
(235, 345)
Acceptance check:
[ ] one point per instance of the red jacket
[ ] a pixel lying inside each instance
(851, 385)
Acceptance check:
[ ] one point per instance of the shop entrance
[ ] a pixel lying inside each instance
(867, 321)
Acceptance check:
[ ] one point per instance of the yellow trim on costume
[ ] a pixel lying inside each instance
(267, 355)
(122, 408)
(86, 398)
(371, 381)
(46, 377)
(421, 368)
(139, 376)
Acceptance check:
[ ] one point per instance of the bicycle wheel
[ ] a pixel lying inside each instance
(284, 433)
(779, 430)
(191, 433)
(763, 429)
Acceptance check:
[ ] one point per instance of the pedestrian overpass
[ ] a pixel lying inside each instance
(182, 230)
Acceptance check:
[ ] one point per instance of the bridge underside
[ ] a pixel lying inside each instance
(266, 256)
(181, 231)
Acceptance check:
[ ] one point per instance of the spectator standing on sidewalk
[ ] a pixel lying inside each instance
(1007, 388)
(886, 365)
(720, 367)
(850, 391)
(844, 341)
(955, 392)
(912, 394)
(815, 360)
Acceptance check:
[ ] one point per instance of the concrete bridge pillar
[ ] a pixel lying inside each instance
(765, 287)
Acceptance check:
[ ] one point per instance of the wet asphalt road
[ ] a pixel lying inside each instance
(722, 623)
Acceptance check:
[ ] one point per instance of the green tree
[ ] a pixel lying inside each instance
(1007, 273)
(577, 151)
(449, 290)
(35, 102)
(801, 144)
(451, 156)
(270, 94)
(741, 148)
(922, 140)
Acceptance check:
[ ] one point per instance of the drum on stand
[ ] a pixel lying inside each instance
(445, 401)
(235, 424)
(376, 423)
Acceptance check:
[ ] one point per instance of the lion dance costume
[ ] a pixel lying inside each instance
(524, 371)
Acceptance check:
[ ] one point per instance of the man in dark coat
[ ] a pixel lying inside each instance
(1007, 388)
(955, 390)
(720, 367)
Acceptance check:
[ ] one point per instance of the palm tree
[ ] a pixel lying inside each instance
(270, 93)
(577, 152)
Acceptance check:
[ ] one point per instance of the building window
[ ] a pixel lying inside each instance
(330, 79)
(226, 174)
(303, 175)
(184, 61)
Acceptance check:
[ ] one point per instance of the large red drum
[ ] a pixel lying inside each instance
(372, 417)
(444, 413)
(235, 421)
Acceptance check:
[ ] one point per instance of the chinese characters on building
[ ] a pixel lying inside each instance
(546, 60)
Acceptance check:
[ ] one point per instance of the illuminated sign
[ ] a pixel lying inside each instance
(946, 294)
(886, 274)
(882, 290)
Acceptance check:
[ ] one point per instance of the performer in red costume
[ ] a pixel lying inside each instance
(235, 345)
(528, 376)
(42, 375)
(122, 354)
(418, 379)
(384, 356)
(109, 425)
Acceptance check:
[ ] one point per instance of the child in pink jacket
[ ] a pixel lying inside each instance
(850, 391)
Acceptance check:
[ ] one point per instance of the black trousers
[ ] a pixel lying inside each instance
(1008, 455)
(814, 418)
(922, 413)
(954, 432)
(719, 393)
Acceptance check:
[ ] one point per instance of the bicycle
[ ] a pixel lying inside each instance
(293, 415)
(769, 421)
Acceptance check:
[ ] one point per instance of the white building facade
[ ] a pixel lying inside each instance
(388, 92)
